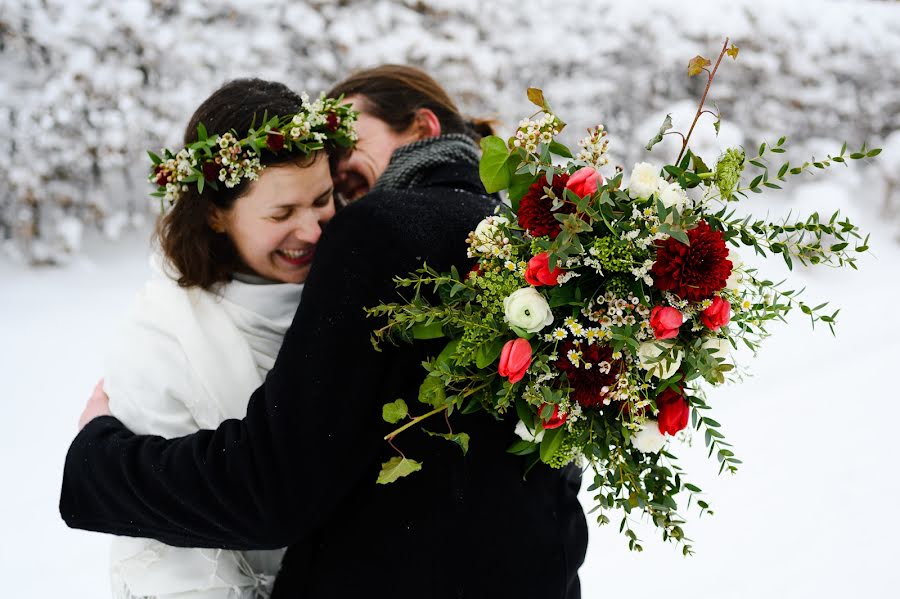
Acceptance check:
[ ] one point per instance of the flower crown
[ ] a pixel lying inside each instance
(214, 159)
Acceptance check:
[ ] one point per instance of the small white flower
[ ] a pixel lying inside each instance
(648, 439)
(649, 352)
(559, 334)
(527, 309)
(644, 181)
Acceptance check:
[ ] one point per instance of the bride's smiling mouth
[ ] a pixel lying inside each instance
(296, 257)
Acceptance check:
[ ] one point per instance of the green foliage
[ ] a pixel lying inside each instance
(397, 467)
(394, 412)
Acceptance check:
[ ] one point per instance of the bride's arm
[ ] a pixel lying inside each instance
(310, 434)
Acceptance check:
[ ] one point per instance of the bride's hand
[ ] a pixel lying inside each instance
(97, 405)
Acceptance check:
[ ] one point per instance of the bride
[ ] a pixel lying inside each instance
(205, 330)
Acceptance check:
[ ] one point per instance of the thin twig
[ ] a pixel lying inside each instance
(702, 100)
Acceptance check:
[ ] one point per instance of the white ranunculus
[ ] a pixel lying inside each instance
(527, 309)
(737, 274)
(651, 350)
(644, 180)
(648, 439)
(719, 348)
(487, 234)
(672, 195)
(525, 435)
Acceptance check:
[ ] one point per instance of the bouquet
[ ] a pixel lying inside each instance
(602, 313)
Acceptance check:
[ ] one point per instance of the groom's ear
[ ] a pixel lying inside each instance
(426, 124)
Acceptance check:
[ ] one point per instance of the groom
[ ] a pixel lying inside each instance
(299, 470)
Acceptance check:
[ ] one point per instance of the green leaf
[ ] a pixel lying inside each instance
(431, 392)
(201, 132)
(551, 442)
(873, 153)
(461, 439)
(560, 150)
(156, 159)
(522, 447)
(487, 353)
(493, 169)
(428, 331)
(518, 186)
(394, 412)
(699, 166)
(397, 467)
(444, 358)
(667, 124)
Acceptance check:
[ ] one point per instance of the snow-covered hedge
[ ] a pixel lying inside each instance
(88, 85)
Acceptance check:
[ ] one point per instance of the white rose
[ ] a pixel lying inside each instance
(719, 348)
(737, 274)
(526, 435)
(644, 181)
(487, 234)
(527, 309)
(650, 351)
(648, 439)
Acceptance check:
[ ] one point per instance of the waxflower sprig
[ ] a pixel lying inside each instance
(602, 313)
(226, 159)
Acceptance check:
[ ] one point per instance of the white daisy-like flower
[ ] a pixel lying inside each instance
(559, 334)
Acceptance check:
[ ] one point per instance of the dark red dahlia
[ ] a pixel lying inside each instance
(535, 212)
(332, 121)
(162, 176)
(590, 386)
(210, 171)
(275, 141)
(693, 272)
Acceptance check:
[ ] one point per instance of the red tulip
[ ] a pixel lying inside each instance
(665, 322)
(717, 315)
(515, 359)
(556, 419)
(673, 411)
(538, 272)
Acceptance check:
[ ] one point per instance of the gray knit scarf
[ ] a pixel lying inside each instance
(410, 163)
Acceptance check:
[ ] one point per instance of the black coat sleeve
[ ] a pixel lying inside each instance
(310, 434)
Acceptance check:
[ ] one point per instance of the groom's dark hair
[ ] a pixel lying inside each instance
(393, 93)
(202, 256)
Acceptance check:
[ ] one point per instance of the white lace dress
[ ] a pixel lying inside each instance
(187, 359)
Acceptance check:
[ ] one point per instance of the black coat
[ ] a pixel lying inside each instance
(299, 470)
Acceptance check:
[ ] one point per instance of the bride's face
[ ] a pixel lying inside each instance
(357, 172)
(276, 225)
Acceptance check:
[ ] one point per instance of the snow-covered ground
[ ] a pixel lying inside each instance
(809, 515)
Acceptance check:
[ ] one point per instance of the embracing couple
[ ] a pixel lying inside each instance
(240, 436)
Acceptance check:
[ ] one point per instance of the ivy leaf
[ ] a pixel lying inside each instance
(394, 412)
(397, 467)
(493, 169)
(461, 439)
(431, 392)
(697, 64)
(536, 96)
(733, 51)
(667, 124)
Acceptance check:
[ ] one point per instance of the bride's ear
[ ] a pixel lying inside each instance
(426, 124)
(216, 220)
